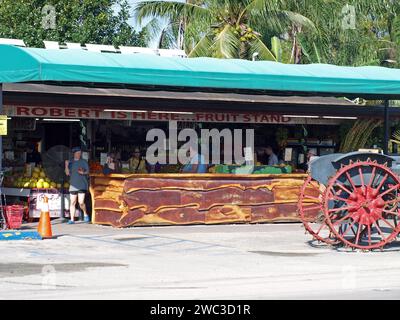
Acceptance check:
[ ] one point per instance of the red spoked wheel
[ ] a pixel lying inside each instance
(310, 210)
(361, 205)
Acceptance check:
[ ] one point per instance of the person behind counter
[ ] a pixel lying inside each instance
(32, 155)
(137, 163)
(77, 169)
(305, 166)
(262, 157)
(272, 157)
(111, 165)
(196, 163)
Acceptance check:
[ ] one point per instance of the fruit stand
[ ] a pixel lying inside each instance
(30, 186)
(173, 87)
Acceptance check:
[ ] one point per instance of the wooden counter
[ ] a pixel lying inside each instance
(174, 199)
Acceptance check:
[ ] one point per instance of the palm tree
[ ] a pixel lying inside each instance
(279, 30)
(223, 28)
(372, 40)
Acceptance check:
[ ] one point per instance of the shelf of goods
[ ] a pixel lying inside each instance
(34, 184)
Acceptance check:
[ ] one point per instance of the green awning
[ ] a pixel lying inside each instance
(43, 65)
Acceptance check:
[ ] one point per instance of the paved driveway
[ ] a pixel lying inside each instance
(192, 262)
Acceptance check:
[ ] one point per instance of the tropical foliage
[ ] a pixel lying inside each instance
(396, 138)
(89, 21)
(367, 33)
(359, 135)
(292, 31)
(224, 29)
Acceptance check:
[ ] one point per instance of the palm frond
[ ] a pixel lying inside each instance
(367, 7)
(194, 30)
(264, 6)
(317, 54)
(396, 29)
(226, 44)
(152, 30)
(266, 15)
(172, 10)
(276, 48)
(264, 53)
(161, 32)
(359, 134)
(202, 48)
(396, 135)
(299, 20)
(310, 49)
(167, 39)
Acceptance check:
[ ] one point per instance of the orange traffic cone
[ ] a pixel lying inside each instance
(44, 227)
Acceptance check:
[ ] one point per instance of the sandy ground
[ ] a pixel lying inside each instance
(192, 262)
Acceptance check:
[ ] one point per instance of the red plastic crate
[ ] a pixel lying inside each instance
(14, 215)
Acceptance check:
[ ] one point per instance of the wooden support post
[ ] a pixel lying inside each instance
(386, 127)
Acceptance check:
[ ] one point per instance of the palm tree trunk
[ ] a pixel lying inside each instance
(180, 35)
(293, 54)
(296, 50)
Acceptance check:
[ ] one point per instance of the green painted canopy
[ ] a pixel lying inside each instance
(66, 65)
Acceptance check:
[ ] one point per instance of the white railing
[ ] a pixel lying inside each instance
(54, 45)
(13, 42)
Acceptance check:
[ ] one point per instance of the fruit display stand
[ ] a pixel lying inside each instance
(34, 197)
(37, 196)
(32, 178)
(30, 186)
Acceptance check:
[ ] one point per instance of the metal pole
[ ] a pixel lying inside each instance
(62, 213)
(386, 127)
(1, 137)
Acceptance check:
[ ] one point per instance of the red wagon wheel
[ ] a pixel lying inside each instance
(361, 205)
(310, 209)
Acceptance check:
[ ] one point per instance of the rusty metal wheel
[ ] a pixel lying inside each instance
(361, 205)
(310, 210)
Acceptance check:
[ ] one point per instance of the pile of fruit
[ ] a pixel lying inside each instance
(37, 179)
(95, 167)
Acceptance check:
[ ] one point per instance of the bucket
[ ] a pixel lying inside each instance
(14, 215)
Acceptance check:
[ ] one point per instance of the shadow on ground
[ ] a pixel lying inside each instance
(24, 269)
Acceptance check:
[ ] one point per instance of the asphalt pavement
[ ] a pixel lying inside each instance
(265, 261)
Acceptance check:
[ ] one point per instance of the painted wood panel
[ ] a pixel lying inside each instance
(182, 199)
